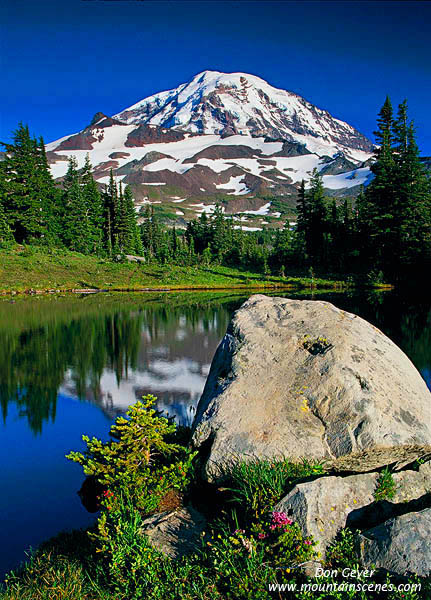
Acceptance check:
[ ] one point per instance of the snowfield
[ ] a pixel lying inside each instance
(292, 169)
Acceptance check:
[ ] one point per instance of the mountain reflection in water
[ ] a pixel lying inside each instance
(110, 353)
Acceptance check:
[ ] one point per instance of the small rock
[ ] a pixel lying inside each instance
(321, 507)
(400, 545)
(175, 533)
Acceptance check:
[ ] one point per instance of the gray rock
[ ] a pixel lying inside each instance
(324, 506)
(412, 484)
(303, 378)
(138, 259)
(397, 457)
(400, 545)
(175, 533)
(321, 507)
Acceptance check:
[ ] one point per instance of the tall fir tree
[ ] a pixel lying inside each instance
(133, 232)
(5, 232)
(110, 210)
(378, 204)
(50, 195)
(29, 191)
(315, 232)
(92, 199)
(394, 210)
(76, 222)
(413, 199)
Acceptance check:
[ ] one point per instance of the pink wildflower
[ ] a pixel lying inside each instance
(280, 518)
(307, 543)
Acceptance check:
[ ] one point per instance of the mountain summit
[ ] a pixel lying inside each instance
(228, 139)
(239, 103)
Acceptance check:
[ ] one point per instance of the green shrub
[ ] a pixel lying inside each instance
(137, 458)
(385, 486)
(375, 277)
(342, 552)
(126, 554)
(241, 564)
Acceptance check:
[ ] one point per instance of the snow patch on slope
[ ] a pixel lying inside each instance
(236, 184)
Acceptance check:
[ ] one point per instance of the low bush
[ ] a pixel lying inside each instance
(385, 486)
(137, 461)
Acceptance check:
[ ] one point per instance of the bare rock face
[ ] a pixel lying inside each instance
(410, 485)
(373, 458)
(303, 378)
(400, 545)
(175, 533)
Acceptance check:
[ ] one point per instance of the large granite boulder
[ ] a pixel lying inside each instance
(400, 545)
(303, 378)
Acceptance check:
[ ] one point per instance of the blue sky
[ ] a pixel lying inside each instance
(63, 61)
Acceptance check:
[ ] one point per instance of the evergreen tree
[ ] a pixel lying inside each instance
(316, 229)
(134, 237)
(413, 197)
(50, 196)
(394, 210)
(111, 216)
(303, 209)
(28, 188)
(147, 232)
(378, 204)
(76, 223)
(282, 250)
(174, 243)
(94, 207)
(5, 232)
(122, 229)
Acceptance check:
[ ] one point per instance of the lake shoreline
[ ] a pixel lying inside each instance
(292, 287)
(33, 270)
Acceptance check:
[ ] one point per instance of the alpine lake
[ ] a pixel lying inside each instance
(70, 364)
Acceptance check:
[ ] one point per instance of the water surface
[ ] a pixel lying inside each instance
(69, 365)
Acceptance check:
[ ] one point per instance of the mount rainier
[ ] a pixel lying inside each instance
(220, 138)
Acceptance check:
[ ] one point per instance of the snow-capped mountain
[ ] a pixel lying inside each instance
(238, 103)
(220, 138)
